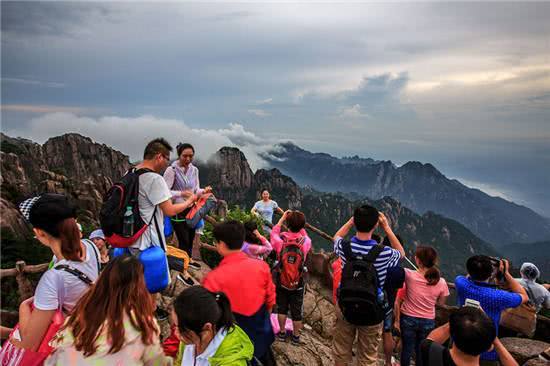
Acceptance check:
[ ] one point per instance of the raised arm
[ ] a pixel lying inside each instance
(395, 244)
(512, 284)
(344, 230)
(171, 209)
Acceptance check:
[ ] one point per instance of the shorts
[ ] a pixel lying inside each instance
(292, 300)
(344, 335)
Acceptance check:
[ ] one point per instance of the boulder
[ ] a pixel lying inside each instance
(537, 362)
(319, 313)
(524, 349)
(315, 351)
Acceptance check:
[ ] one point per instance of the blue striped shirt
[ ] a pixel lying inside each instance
(386, 259)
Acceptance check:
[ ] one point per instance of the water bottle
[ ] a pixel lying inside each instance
(128, 223)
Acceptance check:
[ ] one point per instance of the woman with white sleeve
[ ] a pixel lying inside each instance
(76, 266)
(182, 177)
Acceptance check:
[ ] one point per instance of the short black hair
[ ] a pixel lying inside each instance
(365, 218)
(183, 146)
(157, 146)
(231, 233)
(472, 331)
(479, 267)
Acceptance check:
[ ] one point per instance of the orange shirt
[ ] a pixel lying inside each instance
(247, 283)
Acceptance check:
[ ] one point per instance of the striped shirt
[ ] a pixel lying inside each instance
(386, 259)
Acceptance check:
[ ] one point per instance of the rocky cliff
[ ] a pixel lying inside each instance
(70, 164)
(229, 173)
(421, 187)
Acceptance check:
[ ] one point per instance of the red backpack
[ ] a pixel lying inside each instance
(291, 263)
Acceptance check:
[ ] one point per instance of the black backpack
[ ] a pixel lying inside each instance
(358, 294)
(111, 217)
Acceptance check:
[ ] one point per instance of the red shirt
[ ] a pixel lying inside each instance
(247, 283)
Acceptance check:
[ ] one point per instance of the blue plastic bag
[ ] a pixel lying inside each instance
(155, 267)
(168, 229)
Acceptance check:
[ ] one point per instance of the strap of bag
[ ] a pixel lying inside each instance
(159, 233)
(374, 252)
(346, 249)
(75, 272)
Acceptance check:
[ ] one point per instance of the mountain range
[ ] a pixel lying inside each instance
(420, 187)
(83, 169)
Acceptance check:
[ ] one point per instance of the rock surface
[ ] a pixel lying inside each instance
(523, 349)
(70, 164)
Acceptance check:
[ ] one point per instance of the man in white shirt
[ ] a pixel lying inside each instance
(154, 195)
(155, 199)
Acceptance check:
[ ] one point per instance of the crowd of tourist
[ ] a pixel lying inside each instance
(98, 305)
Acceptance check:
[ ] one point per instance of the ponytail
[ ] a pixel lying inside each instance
(69, 234)
(427, 256)
(196, 306)
(226, 319)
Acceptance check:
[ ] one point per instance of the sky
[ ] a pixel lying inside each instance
(464, 86)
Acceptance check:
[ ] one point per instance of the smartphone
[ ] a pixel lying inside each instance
(472, 303)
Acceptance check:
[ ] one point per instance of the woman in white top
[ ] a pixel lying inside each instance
(76, 266)
(182, 178)
(265, 208)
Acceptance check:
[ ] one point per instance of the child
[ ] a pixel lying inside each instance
(291, 248)
(248, 284)
(207, 330)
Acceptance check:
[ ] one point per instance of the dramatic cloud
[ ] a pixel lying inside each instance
(441, 82)
(138, 131)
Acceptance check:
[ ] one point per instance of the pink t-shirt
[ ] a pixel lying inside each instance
(420, 298)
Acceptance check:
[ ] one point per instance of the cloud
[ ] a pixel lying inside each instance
(130, 135)
(31, 108)
(265, 101)
(259, 113)
(47, 84)
(353, 112)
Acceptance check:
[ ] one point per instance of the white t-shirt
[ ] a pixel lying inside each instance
(47, 296)
(266, 209)
(152, 192)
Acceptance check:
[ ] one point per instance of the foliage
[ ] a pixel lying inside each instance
(212, 258)
(9, 147)
(14, 249)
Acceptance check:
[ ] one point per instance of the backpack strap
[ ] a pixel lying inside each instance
(374, 253)
(159, 233)
(75, 272)
(346, 249)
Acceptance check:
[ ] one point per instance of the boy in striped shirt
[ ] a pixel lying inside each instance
(365, 220)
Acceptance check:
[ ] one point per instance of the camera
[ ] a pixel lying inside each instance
(497, 273)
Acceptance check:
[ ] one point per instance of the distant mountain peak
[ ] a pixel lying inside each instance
(419, 186)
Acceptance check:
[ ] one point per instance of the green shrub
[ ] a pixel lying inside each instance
(212, 258)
